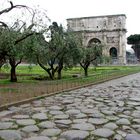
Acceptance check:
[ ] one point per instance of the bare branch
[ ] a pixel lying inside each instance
(24, 37)
(11, 8)
(11, 3)
(4, 24)
(19, 62)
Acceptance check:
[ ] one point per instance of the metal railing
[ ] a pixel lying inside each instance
(21, 93)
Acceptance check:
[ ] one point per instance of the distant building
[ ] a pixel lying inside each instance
(109, 30)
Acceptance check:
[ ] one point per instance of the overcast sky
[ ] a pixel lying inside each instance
(60, 10)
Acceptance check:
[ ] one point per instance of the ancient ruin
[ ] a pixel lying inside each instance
(109, 30)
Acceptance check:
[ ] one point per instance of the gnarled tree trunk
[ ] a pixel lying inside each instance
(13, 70)
(13, 65)
(13, 74)
(86, 71)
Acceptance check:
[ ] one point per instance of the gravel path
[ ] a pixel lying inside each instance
(108, 111)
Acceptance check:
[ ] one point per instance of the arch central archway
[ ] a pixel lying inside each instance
(94, 41)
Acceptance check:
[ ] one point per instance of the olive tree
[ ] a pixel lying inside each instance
(89, 55)
(13, 36)
(134, 40)
(61, 50)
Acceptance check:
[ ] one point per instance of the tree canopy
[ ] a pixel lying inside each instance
(61, 49)
(13, 36)
(90, 55)
(134, 39)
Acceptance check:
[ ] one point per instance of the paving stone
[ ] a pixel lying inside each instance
(40, 116)
(63, 122)
(121, 103)
(136, 114)
(46, 124)
(15, 109)
(7, 120)
(67, 102)
(55, 108)
(51, 132)
(127, 128)
(128, 113)
(118, 137)
(31, 134)
(102, 139)
(54, 112)
(80, 115)
(135, 99)
(6, 125)
(103, 132)
(25, 122)
(97, 114)
(38, 109)
(61, 117)
(72, 112)
(136, 121)
(80, 120)
(136, 126)
(111, 126)
(20, 117)
(87, 111)
(83, 126)
(10, 135)
(75, 135)
(30, 128)
(137, 107)
(97, 121)
(123, 121)
(111, 108)
(5, 112)
(107, 112)
(112, 118)
(122, 133)
(138, 130)
(133, 103)
(63, 126)
(124, 116)
(38, 138)
(132, 137)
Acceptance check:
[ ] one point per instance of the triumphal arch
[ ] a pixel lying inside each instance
(109, 30)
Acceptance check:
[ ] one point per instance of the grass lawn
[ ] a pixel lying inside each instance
(26, 87)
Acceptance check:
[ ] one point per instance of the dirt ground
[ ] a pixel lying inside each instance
(20, 91)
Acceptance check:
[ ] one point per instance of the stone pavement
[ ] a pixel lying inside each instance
(108, 111)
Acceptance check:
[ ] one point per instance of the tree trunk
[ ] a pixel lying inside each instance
(53, 73)
(13, 74)
(48, 70)
(13, 70)
(59, 74)
(86, 71)
(50, 75)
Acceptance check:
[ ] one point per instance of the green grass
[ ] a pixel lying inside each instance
(35, 69)
(26, 73)
(4, 81)
(29, 88)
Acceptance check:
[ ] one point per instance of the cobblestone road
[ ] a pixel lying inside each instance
(108, 111)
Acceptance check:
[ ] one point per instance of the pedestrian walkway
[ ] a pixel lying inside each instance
(108, 111)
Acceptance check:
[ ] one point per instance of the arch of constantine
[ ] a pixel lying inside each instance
(109, 30)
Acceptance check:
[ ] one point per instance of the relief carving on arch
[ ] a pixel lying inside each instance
(112, 39)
